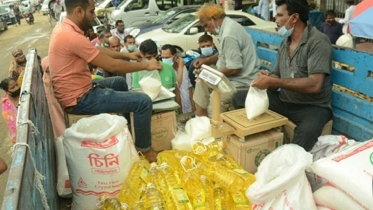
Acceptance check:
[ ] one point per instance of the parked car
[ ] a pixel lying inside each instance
(95, 24)
(163, 19)
(45, 7)
(185, 31)
(105, 6)
(4, 13)
(4, 17)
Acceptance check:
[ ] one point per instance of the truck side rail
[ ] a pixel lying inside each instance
(34, 150)
(352, 96)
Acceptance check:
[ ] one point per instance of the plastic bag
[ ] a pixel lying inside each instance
(198, 128)
(99, 153)
(63, 180)
(150, 83)
(256, 102)
(182, 141)
(281, 181)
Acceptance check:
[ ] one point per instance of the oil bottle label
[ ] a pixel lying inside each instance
(181, 195)
(240, 171)
(200, 200)
(239, 198)
(217, 204)
(144, 174)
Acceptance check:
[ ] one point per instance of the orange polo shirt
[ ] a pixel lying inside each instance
(69, 54)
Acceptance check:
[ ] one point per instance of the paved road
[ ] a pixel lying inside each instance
(23, 37)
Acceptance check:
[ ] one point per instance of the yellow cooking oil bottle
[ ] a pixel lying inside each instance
(172, 158)
(228, 162)
(174, 189)
(238, 201)
(111, 203)
(221, 198)
(160, 183)
(205, 152)
(133, 187)
(152, 199)
(195, 188)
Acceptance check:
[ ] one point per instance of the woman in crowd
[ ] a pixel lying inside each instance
(10, 104)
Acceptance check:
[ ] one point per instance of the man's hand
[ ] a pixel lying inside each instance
(153, 64)
(263, 81)
(135, 56)
(198, 63)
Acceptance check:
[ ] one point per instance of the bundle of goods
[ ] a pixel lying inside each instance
(202, 179)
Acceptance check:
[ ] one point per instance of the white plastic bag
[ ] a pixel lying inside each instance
(198, 128)
(350, 171)
(182, 141)
(150, 83)
(63, 180)
(281, 181)
(256, 102)
(324, 147)
(339, 201)
(99, 153)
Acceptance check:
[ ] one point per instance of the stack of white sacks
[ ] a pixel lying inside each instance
(340, 178)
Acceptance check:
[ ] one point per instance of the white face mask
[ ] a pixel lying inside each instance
(217, 29)
(168, 60)
(131, 48)
(284, 32)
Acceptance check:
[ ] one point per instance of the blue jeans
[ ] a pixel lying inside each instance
(111, 95)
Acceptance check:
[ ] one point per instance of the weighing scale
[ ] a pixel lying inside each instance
(234, 122)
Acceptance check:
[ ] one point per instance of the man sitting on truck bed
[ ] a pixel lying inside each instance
(302, 71)
(71, 78)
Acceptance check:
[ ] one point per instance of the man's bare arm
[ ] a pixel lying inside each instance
(120, 55)
(229, 72)
(120, 66)
(207, 61)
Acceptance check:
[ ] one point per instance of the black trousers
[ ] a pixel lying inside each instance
(309, 119)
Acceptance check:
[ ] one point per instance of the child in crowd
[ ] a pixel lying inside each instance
(10, 104)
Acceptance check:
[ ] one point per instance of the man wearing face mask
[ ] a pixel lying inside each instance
(331, 28)
(18, 64)
(103, 39)
(168, 53)
(302, 71)
(129, 44)
(207, 48)
(119, 31)
(237, 57)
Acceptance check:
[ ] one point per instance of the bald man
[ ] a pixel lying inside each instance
(114, 43)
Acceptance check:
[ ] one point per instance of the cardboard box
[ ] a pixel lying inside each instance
(163, 128)
(250, 152)
(290, 126)
(70, 119)
(244, 127)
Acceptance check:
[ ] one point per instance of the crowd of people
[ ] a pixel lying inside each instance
(108, 63)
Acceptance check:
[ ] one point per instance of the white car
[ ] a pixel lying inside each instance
(45, 7)
(95, 24)
(185, 31)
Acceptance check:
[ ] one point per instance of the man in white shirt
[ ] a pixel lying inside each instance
(57, 8)
(129, 44)
(118, 31)
(348, 15)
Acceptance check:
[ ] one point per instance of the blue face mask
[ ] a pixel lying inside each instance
(207, 51)
(168, 60)
(131, 48)
(284, 32)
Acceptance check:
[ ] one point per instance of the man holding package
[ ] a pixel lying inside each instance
(237, 59)
(71, 78)
(302, 71)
